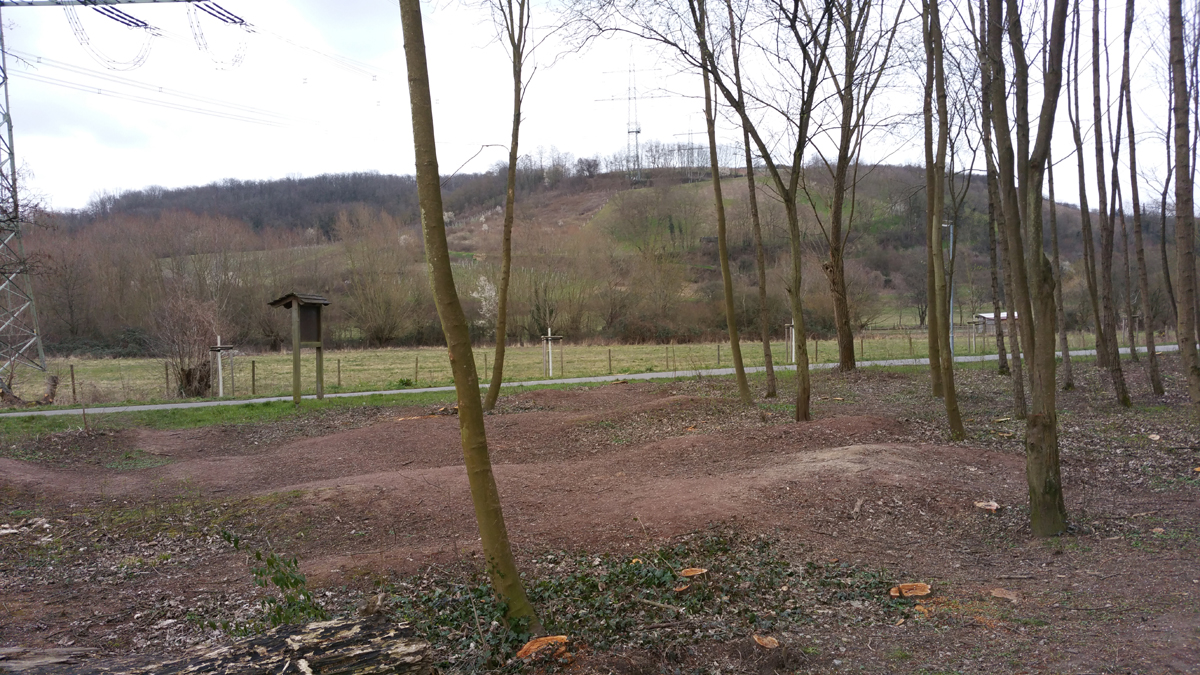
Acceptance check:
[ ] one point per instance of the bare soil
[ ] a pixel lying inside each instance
(111, 541)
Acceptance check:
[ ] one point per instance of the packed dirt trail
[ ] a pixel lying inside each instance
(623, 466)
(562, 481)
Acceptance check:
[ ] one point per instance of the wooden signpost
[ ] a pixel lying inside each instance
(307, 331)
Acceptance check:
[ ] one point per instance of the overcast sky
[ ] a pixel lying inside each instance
(319, 87)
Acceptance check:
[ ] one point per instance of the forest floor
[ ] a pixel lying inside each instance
(112, 540)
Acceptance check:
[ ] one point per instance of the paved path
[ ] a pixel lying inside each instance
(531, 383)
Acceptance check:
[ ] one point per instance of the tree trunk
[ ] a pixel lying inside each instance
(1185, 226)
(1107, 229)
(710, 120)
(989, 154)
(1002, 356)
(1085, 214)
(835, 267)
(1162, 212)
(932, 221)
(760, 258)
(1020, 404)
(516, 37)
(799, 333)
(1156, 383)
(1119, 196)
(1127, 279)
(1033, 275)
(1020, 407)
(936, 184)
(501, 567)
(1063, 345)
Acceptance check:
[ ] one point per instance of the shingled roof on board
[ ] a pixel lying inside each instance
(300, 299)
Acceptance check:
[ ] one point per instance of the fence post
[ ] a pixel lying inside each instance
(74, 397)
(610, 361)
(339, 362)
(416, 369)
(718, 354)
(166, 378)
(253, 377)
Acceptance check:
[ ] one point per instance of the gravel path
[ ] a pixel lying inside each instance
(530, 383)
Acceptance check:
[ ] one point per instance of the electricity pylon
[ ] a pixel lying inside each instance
(20, 337)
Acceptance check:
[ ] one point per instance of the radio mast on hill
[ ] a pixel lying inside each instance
(20, 337)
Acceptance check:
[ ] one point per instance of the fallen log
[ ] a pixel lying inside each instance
(366, 646)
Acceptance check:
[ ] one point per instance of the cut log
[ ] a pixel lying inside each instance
(367, 646)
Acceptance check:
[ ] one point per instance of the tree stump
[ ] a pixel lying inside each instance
(367, 646)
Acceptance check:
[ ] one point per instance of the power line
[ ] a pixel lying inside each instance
(34, 60)
(148, 101)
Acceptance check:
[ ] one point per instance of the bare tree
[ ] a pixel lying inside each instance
(736, 33)
(798, 55)
(1021, 178)
(1185, 226)
(1107, 226)
(1085, 214)
(865, 50)
(935, 186)
(184, 328)
(700, 24)
(1156, 383)
(1061, 318)
(501, 567)
(512, 20)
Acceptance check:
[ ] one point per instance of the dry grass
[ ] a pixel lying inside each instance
(101, 381)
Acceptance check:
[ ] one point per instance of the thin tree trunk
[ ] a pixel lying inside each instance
(994, 212)
(1127, 279)
(501, 567)
(1156, 383)
(1085, 213)
(1166, 189)
(1185, 227)
(760, 258)
(1063, 346)
(735, 346)
(1107, 228)
(933, 232)
(936, 184)
(517, 24)
(1119, 195)
(1002, 369)
(1020, 404)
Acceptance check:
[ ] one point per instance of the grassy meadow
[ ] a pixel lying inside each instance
(110, 381)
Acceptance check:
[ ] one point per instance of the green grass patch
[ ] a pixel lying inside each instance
(638, 601)
(132, 460)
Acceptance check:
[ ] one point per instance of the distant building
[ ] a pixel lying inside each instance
(986, 323)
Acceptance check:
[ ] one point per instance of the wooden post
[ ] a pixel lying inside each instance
(675, 360)
(166, 378)
(862, 347)
(718, 354)
(74, 398)
(320, 355)
(610, 361)
(562, 360)
(232, 382)
(416, 369)
(339, 361)
(910, 346)
(253, 383)
(667, 356)
(296, 353)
